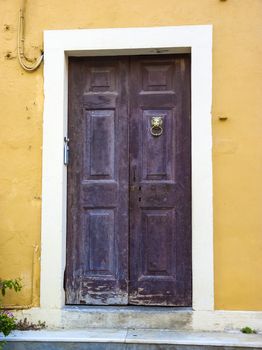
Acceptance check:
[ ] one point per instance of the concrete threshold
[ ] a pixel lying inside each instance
(142, 317)
(139, 336)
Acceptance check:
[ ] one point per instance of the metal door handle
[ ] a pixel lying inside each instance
(66, 151)
(156, 126)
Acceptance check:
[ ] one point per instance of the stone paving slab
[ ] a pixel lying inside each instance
(194, 338)
(133, 339)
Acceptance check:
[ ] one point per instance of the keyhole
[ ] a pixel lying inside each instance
(139, 198)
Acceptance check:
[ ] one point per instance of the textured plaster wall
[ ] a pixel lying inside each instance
(237, 155)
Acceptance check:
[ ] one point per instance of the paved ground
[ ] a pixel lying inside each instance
(144, 339)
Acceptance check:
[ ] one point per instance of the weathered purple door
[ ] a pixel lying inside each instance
(97, 231)
(129, 184)
(160, 196)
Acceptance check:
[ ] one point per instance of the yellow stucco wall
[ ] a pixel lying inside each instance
(237, 155)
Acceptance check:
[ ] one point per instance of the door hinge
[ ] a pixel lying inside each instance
(66, 150)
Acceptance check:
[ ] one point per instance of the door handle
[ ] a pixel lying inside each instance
(66, 151)
(156, 126)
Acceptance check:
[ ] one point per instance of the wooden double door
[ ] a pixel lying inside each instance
(129, 181)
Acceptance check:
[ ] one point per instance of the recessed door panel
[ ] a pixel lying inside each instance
(157, 155)
(100, 144)
(156, 244)
(101, 250)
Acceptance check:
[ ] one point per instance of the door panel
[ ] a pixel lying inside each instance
(160, 197)
(97, 238)
(100, 145)
(129, 192)
(157, 156)
(157, 240)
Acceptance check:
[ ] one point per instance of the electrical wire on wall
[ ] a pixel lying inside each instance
(27, 63)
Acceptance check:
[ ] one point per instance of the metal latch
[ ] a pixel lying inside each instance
(66, 150)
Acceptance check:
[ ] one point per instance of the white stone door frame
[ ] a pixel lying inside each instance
(58, 45)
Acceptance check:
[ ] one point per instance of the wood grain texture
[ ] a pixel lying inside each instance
(129, 193)
(160, 174)
(97, 233)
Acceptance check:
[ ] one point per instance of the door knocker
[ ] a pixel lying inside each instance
(156, 126)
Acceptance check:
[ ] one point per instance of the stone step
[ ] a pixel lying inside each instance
(142, 317)
(112, 317)
(130, 339)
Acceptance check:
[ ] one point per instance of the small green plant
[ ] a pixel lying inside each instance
(10, 284)
(248, 330)
(25, 325)
(7, 322)
(7, 319)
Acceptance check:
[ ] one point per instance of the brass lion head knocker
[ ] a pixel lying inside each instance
(156, 126)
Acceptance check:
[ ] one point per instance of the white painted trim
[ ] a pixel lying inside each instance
(125, 41)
